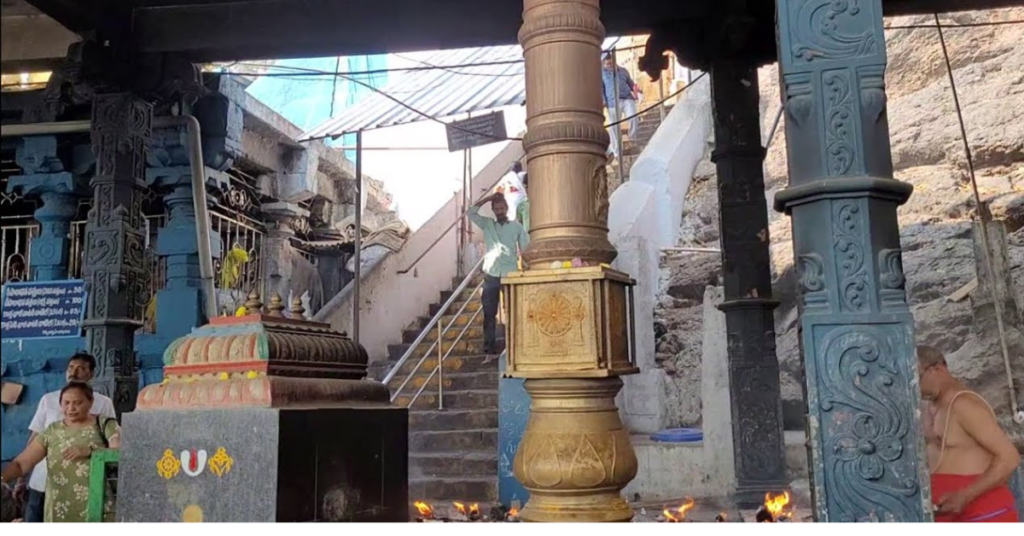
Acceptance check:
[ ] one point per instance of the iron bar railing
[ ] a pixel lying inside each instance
(436, 321)
(439, 369)
(15, 242)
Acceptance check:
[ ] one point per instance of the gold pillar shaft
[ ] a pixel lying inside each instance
(575, 456)
(566, 143)
(569, 328)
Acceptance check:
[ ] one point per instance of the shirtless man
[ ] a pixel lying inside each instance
(970, 457)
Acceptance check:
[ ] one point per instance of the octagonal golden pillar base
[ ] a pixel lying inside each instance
(570, 334)
(570, 323)
(575, 456)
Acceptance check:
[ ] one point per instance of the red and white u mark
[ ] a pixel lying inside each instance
(193, 462)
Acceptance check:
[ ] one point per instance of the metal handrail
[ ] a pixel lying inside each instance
(440, 365)
(436, 344)
(433, 321)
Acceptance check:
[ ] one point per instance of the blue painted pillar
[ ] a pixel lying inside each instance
(867, 458)
(46, 178)
(180, 303)
(39, 364)
(1017, 485)
(513, 413)
(179, 306)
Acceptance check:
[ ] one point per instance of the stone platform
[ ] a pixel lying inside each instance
(668, 470)
(264, 465)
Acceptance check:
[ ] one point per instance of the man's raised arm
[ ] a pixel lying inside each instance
(474, 212)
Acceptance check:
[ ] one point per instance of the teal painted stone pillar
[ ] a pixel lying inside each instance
(866, 455)
(39, 364)
(45, 177)
(179, 305)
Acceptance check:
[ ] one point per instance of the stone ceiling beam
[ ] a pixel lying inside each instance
(215, 30)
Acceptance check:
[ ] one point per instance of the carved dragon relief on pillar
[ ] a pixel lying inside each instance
(858, 335)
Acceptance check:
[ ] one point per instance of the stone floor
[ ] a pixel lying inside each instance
(705, 510)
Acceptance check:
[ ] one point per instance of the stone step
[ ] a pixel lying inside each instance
(471, 307)
(466, 490)
(477, 279)
(454, 364)
(434, 421)
(473, 333)
(458, 464)
(483, 440)
(453, 382)
(469, 293)
(462, 348)
(460, 320)
(457, 401)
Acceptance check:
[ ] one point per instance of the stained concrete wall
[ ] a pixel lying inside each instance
(392, 301)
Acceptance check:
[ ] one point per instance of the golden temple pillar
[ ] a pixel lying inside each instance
(570, 327)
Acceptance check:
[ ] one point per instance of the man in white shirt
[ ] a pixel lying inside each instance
(81, 368)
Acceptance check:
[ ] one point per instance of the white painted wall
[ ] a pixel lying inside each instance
(644, 217)
(423, 181)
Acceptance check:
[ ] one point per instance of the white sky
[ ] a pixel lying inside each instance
(423, 181)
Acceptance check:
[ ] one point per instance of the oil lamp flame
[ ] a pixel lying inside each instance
(776, 505)
(679, 514)
(424, 509)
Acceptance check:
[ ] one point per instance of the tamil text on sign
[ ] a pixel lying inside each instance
(476, 131)
(47, 309)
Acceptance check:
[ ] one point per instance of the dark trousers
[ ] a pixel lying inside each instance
(491, 299)
(34, 506)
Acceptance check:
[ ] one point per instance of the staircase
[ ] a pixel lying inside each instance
(650, 121)
(453, 453)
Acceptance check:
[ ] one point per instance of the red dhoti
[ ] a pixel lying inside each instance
(996, 506)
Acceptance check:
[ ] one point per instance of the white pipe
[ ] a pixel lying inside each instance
(199, 203)
(43, 129)
(195, 155)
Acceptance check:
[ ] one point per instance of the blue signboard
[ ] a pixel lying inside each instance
(43, 310)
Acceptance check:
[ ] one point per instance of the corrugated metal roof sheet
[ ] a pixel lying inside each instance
(439, 93)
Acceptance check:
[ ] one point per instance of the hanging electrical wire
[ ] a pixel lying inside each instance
(301, 71)
(986, 240)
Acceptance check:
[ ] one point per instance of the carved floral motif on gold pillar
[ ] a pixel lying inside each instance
(570, 314)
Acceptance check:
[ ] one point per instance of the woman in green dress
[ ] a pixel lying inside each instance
(67, 447)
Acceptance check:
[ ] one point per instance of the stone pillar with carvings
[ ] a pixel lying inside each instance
(569, 318)
(863, 392)
(756, 400)
(284, 219)
(114, 269)
(45, 177)
(180, 303)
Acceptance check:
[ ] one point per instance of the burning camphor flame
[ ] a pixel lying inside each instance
(472, 513)
(513, 513)
(680, 513)
(776, 505)
(424, 510)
